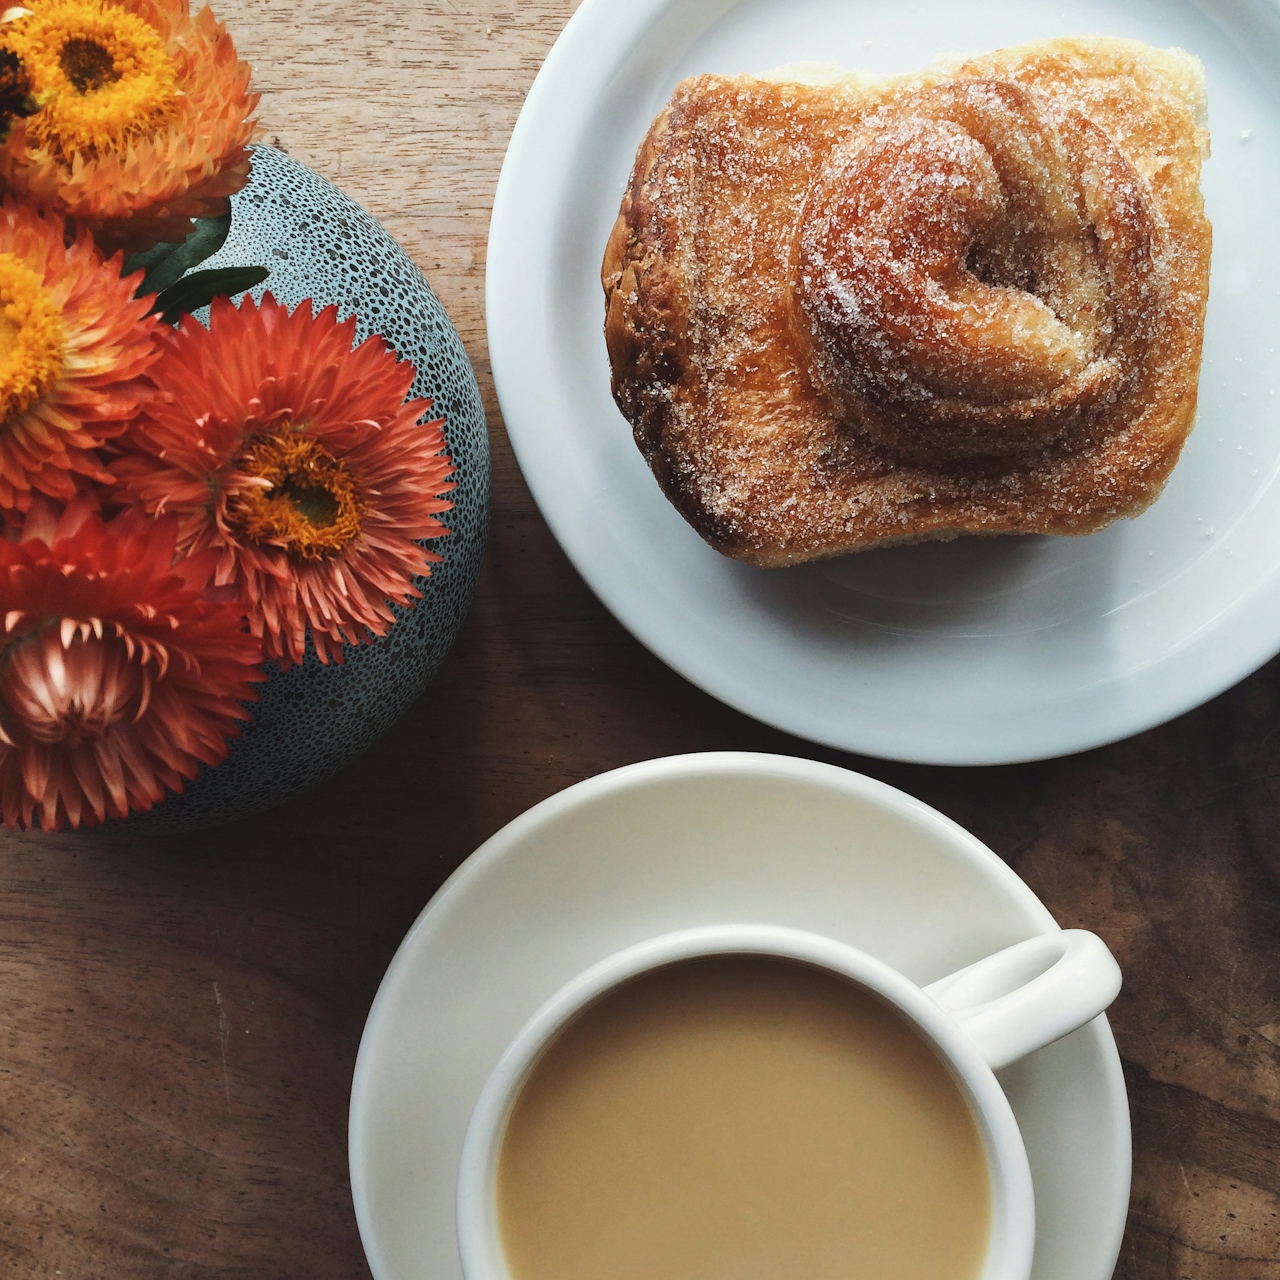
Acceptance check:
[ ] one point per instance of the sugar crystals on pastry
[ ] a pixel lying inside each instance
(862, 311)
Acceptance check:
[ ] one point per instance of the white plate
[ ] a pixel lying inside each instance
(687, 841)
(973, 652)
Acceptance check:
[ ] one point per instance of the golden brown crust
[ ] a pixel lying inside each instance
(744, 428)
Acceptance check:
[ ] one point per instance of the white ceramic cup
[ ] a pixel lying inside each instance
(978, 1019)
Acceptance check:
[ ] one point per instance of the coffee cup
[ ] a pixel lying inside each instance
(975, 1021)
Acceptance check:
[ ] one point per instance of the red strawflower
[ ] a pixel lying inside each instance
(300, 461)
(120, 671)
(74, 344)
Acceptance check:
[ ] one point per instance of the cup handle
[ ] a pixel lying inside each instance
(1030, 994)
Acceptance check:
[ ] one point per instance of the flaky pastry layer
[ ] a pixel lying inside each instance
(777, 434)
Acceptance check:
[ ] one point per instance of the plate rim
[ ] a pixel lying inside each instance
(1180, 679)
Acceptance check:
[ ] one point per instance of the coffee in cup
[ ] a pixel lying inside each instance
(748, 1102)
(739, 1116)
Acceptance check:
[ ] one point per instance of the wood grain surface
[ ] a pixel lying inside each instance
(179, 1016)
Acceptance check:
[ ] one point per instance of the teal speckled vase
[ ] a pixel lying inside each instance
(315, 718)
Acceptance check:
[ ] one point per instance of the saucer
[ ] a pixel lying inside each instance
(675, 843)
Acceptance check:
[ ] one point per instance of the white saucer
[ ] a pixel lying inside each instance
(972, 652)
(686, 841)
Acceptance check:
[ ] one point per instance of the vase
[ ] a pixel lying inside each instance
(315, 717)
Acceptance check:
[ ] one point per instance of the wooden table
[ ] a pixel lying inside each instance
(179, 1016)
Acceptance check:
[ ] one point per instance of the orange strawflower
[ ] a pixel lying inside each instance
(73, 347)
(301, 462)
(120, 671)
(143, 120)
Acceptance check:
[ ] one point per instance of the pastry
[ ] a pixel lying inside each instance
(847, 311)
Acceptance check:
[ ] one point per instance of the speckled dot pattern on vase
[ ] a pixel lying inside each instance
(315, 718)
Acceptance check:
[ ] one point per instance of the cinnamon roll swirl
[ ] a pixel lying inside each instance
(847, 311)
(974, 276)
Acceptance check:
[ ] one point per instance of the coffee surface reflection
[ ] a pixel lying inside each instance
(742, 1118)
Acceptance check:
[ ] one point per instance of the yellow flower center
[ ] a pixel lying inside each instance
(32, 342)
(101, 72)
(313, 506)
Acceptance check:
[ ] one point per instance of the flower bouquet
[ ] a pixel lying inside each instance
(187, 509)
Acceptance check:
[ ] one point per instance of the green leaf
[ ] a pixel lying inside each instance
(201, 287)
(166, 264)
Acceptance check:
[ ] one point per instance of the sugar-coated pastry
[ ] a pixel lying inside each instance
(845, 311)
